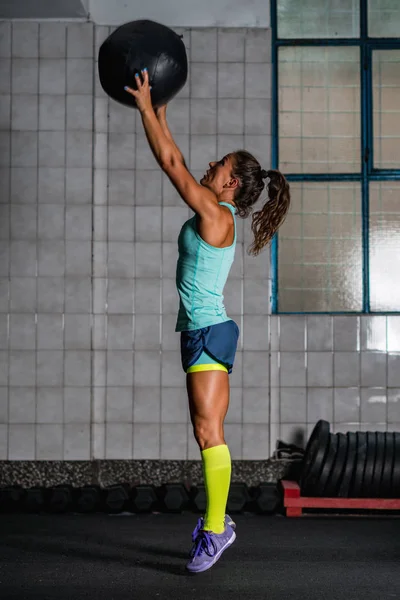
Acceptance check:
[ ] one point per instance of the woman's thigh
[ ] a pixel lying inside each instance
(208, 393)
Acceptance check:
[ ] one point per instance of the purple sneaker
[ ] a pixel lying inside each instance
(208, 546)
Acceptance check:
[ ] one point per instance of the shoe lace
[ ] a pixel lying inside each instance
(203, 542)
(197, 529)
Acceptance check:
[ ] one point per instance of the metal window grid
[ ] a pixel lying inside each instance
(368, 173)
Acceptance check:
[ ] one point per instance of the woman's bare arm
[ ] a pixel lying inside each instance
(200, 199)
(161, 114)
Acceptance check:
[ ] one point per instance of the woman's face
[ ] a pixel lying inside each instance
(219, 175)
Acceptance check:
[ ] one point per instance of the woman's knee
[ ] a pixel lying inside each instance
(208, 433)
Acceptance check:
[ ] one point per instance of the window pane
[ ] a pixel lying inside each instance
(384, 244)
(383, 18)
(386, 107)
(320, 249)
(318, 18)
(319, 110)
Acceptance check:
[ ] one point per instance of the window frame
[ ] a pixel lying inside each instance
(367, 45)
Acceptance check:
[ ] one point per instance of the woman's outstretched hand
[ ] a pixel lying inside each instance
(142, 94)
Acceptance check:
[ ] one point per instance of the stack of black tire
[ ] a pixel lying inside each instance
(351, 465)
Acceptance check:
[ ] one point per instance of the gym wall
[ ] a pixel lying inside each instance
(90, 363)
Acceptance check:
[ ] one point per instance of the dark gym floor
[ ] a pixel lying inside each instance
(105, 557)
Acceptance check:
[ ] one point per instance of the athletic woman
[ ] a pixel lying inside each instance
(209, 338)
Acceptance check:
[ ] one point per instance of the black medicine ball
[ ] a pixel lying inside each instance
(137, 45)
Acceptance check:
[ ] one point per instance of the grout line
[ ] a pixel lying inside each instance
(65, 242)
(242, 253)
(387, 373)
(9, 254)
(306, 350)
(37, 252)
(360, 353)
(138, 123)
(279, 352)
(160, 329)
(91, 316)
(105, 307)
(189, 99)
(134, 316)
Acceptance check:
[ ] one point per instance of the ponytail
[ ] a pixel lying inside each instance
(267, 221)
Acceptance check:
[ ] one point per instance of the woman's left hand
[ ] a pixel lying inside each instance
(142, 94)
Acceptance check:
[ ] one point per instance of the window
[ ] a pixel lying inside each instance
(336, 137)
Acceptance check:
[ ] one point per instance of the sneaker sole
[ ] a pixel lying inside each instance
(216, 557)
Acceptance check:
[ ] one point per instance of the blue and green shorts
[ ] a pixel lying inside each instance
(210, 348)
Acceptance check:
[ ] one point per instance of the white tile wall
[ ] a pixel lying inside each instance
(89, 360)
(349, 368)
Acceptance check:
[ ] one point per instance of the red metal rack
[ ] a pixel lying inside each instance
(294, 503)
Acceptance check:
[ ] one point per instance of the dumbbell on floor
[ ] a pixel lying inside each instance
(60, 498)
(174, 497)
(265, 498)
(11, 498)
(118, 498)
(90, 499)
(238, 497)
(144, 498)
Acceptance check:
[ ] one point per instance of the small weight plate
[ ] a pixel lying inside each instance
(314, 456)
(369, 465)
(327, 466)
(336, 473)
(386, 481)
(344, 487)
(379, 462)
(361, 455)
(396, 467)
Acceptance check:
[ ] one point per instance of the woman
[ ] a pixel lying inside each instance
(208, 337)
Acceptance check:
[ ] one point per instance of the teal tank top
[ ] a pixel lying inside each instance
(201, 274)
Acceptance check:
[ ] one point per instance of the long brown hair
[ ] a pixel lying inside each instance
(265, 222)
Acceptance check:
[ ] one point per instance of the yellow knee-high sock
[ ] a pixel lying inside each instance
(217, 478)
